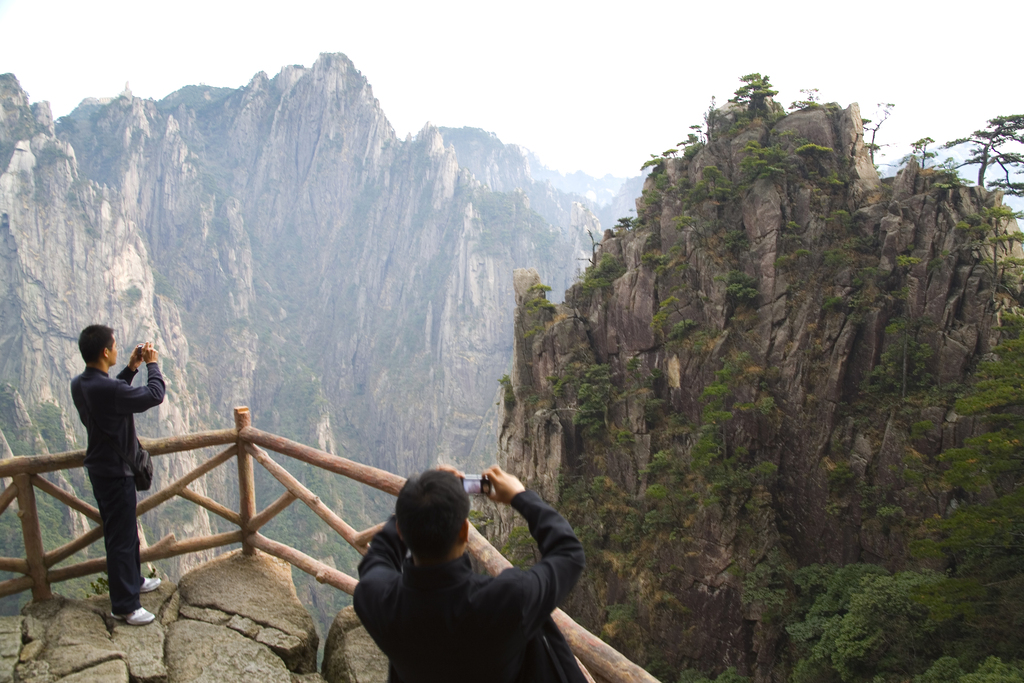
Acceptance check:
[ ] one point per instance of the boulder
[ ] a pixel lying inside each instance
(74, 634)
(144, 649)
(810, 124)
(197, 652)
(259, 588)
(237, 620)
(10, 646)
(115, 671)
(350, 655)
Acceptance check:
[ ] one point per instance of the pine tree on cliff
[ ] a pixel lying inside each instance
(989, 150)
(885, 111)
(755, 93)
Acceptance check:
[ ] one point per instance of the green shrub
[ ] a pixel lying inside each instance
(604, 274)
(681, 329)
(833, 303)
(763, 162)
(736, 241)
(509, 393)
(132, 296)
(740, 288)
(836, 258)
(594, 396)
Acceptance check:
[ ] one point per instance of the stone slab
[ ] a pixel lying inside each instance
(258, 587)
(114, 671)
(197, 652)
(144, 647)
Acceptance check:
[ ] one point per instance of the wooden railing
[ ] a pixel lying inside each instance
(246, 444)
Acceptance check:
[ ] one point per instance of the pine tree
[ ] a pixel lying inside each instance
(988, 149)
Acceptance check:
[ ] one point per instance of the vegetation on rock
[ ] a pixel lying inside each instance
(767, 429)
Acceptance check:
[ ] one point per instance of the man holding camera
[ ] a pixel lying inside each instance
(107, 408)
(438, 621)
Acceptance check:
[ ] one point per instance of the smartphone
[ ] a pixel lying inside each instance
(476, 484)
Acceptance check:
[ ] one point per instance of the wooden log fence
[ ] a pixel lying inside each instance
(247, 445)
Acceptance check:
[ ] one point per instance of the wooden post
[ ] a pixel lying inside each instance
(33, 537)
(246, 484)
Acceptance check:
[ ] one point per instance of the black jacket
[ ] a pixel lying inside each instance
(106, 407)
(445, 624)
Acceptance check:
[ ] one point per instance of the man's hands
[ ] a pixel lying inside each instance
(504, 485)
(140, 354)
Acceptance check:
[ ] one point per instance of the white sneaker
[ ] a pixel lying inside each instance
(149, 585)
(139, 617)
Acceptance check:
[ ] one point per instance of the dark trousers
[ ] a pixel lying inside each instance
(116, 499)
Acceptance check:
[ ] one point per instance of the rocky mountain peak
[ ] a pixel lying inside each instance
(691, 401)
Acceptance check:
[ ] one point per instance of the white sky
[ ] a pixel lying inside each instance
(594, 86)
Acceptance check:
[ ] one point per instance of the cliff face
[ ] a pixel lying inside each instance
(510, 168)
(283, 250)
(71, 253)
(721, 399)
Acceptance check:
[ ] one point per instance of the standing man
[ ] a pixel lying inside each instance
(438, 621)
(106, 407)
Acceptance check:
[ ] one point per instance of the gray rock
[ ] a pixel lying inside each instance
(154, 601)
(115, 671)
(522, 280)
(197, 652)
(258, 587)
(10, 646)
(171, 609)
(812, 124)
(31, 650)
(11, 625)
(210, 616)
(350, 655)
(75, 635)
(144, 646)
(247, 627)
(34, 672)
(32, 629)
(287, 647)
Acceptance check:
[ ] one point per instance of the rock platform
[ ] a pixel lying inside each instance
(235, 619)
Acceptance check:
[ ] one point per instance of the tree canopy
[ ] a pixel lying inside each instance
(754, 93)
(989, 149)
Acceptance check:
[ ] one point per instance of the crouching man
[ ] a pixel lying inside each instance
(107, 408)
(438, 621)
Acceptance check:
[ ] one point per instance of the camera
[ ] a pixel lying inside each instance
(476, 484)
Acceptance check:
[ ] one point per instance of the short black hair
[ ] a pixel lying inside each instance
(93, 340)
(430, 510)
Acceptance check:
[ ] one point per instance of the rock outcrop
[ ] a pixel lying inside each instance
(720, 397)
(236, 619)
(284, 250)
(350, 655)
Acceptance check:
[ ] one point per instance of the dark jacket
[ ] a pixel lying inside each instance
(106, 407)
(446, 624)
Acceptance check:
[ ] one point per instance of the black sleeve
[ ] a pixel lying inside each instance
(386, 552)
(550, 580)
(129, 399)
(127, 374)
(381, 566)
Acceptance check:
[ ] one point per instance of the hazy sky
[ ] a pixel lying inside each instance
(595, 86)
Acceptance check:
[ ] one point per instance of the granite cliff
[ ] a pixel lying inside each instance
(733, 389)
(284, 250)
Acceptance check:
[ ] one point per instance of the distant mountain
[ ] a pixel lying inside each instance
(284, 250)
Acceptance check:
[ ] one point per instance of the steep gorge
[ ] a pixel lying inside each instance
(285, 250)
(739, 385)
